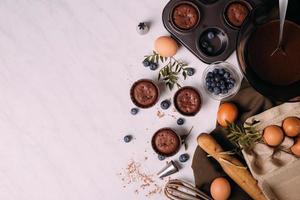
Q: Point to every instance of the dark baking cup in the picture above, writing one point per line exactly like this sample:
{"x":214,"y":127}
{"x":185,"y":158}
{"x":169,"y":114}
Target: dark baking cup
{"x":186,"y":113}
{"x":227,"y":22}
{"x":134,"y":100}
{"x":174,"y":24}
{"x":218,"y":44}
{"x":163,"y":154}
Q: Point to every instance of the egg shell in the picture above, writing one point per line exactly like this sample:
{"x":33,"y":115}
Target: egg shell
{"x":296,"y":148}
{"x":227,"y":112}
{"x":165,"y":46}
{"x":220,"y":189}
{"x":273,"y":135}
{"x":291,"y":126}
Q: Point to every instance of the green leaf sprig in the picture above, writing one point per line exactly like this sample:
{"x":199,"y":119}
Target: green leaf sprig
{"x":170,"y":73}
{"x":155,"y":57}
{"x":243,"y":137}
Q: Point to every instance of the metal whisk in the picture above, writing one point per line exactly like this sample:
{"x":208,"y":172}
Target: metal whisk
{"x":181,"y":190}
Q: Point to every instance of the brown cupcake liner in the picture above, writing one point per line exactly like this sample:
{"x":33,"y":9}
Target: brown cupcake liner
{"x":183,"y":3}
{"x":177,"y":107}
{"x":243,"y":2}
{"x":163,"y":154}
{"x":134,"y":100}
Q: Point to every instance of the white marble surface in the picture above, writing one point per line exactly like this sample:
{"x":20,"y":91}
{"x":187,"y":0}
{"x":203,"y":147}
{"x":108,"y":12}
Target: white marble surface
{"x":66,"y":67}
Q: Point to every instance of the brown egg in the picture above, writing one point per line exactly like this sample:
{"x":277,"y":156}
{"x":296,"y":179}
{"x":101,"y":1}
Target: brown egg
{"x":296,"y":148}
{"x":291,"y":126}
{"x":165,"y":46}
{"x":220,"y":189}
{"x":273,"y":135}
{"x":227,"y":112}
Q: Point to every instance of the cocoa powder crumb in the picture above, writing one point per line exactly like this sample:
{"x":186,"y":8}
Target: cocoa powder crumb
{"x":133,"y":174}
{"x":160,"y":114}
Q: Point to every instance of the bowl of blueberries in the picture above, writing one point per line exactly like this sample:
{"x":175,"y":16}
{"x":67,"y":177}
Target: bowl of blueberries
{"x":221,"y":80}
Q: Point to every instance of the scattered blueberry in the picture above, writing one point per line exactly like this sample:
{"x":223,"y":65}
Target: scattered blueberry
{"x":180,"y":121}
{"x":161,"y":157}
{"x":134,"y":111}
{"x":146,"y":63}
{"x":210,"y":35}
{"x":165,"y":104}
{"x":213,"y":84}
{"x":211,"y":89}
{"x":153,"y":66}
{"x":127,"y":138}
{"x":209,"y":49}
{"x":210,"y":74}
{"x":204,"y":44}
{"x":190,"y":71}
{"x":184,"y":157}
{"x":230,"y":85}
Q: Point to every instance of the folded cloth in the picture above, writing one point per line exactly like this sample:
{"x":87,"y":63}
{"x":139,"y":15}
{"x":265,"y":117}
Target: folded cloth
{"x":206,"y":169}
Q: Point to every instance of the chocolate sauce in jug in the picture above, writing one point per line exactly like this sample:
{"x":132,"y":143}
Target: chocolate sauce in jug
{"x":279,"y":68}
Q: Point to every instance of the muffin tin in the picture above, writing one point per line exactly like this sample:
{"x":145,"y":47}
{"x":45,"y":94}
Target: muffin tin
{"x":211,"y":37}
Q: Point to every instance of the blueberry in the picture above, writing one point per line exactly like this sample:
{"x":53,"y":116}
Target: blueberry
{"x":226,"y":75}
{"x":184,"y":157}
{"x":222,"y":82}
{"x":217,"y":78}
{"x":161,"y":157}
{"x":146,"y":63}
{"x":209,"y":49}
{"x":208,"y":83}
{"x":210,"y":74}
{"x":190,"y":71}
{"x":224,"y":91}
{"x":230,"y":85}
{"x":221,"y":71}
{"x":134,"y":111}
{"x":204,"y":44}
{"x":180,"y":121}
{"x":217,"y":90}
{"x":165,"y":104}
{"x":153,"y":66}
{"x":213,"y":84}
{"x":210,"y":35}
{"x":210,"y":89}
{"x":127,"y":138}
{"x":222,"y":87}
{"x":232,"y":80}
{"x":215,"y":71}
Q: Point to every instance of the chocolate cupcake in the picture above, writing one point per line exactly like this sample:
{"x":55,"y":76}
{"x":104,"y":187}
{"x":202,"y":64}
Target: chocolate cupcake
{"x":236,"y":13}
{"x":185,"y":16}
{"x":144,"y":93}
{"x":187,"y":101}
{"x":166,"y":142}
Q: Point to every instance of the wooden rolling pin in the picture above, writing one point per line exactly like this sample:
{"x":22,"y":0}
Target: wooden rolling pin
{"x":232,"y":166}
